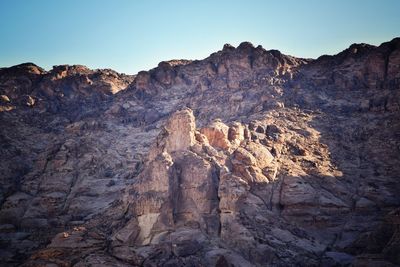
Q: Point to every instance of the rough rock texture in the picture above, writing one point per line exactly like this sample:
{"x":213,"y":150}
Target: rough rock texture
{"x":246,"y":158}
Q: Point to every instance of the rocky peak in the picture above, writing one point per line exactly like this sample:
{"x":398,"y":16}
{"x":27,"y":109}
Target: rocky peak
{"x":70,"y":70}
{"x":245,"y":46}
{"x":178,"y":62}
{"x":228,"y":47}
{"x":62,"y":88}
{"x":359,"y":48}
{"x":232,"y":68}
{"x":359,"y":66}
{"x":22,"y":69}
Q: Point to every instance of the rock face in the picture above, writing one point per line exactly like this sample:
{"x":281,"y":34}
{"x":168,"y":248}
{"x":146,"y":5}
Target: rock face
{"x":246,"y":158}
{"x":217,"y":134}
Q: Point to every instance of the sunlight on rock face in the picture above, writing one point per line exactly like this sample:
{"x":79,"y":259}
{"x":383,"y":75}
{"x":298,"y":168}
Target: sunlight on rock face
{"x":279,"y":161}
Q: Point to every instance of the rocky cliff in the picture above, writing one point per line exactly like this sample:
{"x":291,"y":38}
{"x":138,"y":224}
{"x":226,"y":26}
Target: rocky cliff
{"x":246,"y":158}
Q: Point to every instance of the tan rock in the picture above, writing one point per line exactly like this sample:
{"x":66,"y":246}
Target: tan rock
{"x":181,"y":128}
{"x":142,"y":80}
{"x":244,"y":157}
{"x":217,"y":134}
{"x":177,"y":135}
{"x":201,"y":138}
{"x":262,"y":155}
{"x":236,"y":133}
{"x":4,"y":98}
{"x":231,"y":189}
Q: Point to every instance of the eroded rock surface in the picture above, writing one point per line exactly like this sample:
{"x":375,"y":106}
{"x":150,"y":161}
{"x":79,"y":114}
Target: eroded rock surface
{"x":246,"y":158}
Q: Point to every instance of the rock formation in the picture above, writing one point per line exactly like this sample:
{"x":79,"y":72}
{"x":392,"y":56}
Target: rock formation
{"x":246,"y":158}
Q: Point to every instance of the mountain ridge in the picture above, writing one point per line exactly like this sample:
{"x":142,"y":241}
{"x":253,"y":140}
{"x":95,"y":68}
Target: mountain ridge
{"x":247,"y":157}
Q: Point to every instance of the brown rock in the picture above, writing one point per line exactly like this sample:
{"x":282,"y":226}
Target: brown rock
{"x":236,"y":133}
{"x":304,"y":174}
{"x":217,"y":135}
{"x":181,"y":128}
{"x":262,"y":155}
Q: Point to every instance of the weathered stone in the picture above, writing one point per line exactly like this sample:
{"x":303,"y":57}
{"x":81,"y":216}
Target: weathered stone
{"x":217,"y":134}
{"x":236,"y":133}
{"x":261,"y":154}
{"x":302,"y":176}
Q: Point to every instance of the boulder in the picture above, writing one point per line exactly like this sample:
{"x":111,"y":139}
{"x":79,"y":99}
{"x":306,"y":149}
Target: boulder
{"x":217,"y":134}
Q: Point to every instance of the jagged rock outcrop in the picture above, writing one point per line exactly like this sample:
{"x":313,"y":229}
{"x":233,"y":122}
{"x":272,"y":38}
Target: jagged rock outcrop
{"x":64,"y":88}
{"x":185,"y":191}
{"x":248,"y":157}
{"x":361,"y":77}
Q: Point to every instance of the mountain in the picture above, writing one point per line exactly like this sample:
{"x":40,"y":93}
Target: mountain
{"x":246,"y":158}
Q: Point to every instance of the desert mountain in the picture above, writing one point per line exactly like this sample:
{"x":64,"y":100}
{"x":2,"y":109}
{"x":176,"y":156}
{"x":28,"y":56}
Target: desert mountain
{"x":246,"y":158}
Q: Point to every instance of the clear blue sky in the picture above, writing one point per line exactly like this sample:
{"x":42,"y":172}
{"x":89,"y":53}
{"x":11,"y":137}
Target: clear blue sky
{"x":134,"y":35}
